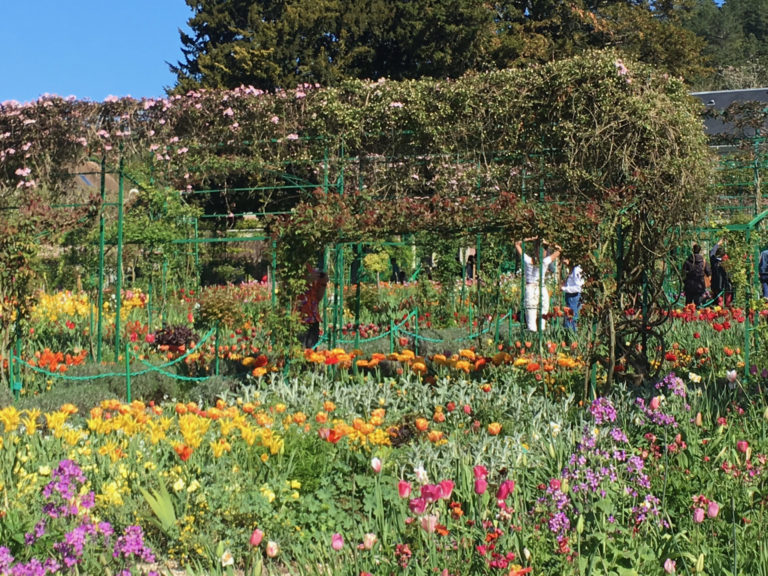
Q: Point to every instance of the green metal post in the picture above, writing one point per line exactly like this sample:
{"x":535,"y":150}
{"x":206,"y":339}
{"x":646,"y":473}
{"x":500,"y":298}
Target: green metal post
{"x":391,"y":336}
{"x":273,"y":273}
{"x":216,"y":351}
{"x":18,"y":384}
{"x":149,"y":304}
{"x":128,"y":372}
{"x":164,"y":283}
{"x":119,"y":282}
{"x":102,"y":225}
{"x":357,"y":297}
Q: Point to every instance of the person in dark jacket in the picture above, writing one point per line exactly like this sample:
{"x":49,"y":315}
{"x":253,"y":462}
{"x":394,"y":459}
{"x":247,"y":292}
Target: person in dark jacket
{"x":722,"y":288}
{"x":695,"y":273}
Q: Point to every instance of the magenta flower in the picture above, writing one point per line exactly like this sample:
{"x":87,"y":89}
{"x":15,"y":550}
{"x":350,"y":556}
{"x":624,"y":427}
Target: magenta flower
{"x":404,"y":489}
{"x":417,"y":506}
{"x":506,"y":488}
{"x":480,"y":472}
{"x":431,"y":492}
{"x":712,"y":509}
{"x":742,"y":446}
{"x":481,"y":485}
{"x":337,"y":541}
{"x":698,"y":515}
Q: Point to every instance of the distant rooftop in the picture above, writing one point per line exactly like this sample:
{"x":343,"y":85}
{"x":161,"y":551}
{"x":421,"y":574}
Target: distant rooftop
{"x":722,"y":99}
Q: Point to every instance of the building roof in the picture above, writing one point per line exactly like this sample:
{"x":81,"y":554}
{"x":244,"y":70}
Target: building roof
{"x":720,"y":100}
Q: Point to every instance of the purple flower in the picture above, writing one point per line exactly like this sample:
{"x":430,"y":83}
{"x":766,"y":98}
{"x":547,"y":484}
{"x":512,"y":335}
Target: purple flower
{"x":5,"y":559}
{"x":602,"y":411}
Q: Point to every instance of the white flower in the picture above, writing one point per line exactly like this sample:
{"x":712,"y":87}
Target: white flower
{"x":554,"y":428}
{"x":227,"y":559}
{"x":695,"y":378}
{"x":421,"y":474}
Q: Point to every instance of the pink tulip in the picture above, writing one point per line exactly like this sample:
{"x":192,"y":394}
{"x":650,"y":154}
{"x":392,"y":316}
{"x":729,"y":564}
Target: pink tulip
{"x":742,"y":446}
{"x":698,"y":515}
{"x":404,"y":489}
{"x":417,"y":505}
{"x":272,"y":549}
{"x":670,"y":566}
{"x":481,"y":485}
{"x":467,"y":409}
{"x":337,"y":541}
{"x":505,"y":489}
{"x":480,"y":472}
{"x":447,"y":486}
{"x":431,"y":492}
{"x":376,"y":465}
{"x":369,"y":540}
{"x":256,"y":537}
{"x":655,"y":403}
{"x":429,"y":523}
{"x":712,"y":509}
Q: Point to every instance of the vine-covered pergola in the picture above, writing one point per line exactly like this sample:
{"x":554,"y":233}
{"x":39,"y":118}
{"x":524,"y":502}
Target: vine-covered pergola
{"x":583,"y":151}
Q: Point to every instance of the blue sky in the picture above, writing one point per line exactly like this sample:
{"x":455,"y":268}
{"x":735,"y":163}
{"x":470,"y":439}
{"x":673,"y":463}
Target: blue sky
{"x":89,"y":48}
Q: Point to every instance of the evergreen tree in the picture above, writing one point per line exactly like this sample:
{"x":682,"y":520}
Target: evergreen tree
{"x":281,"y":43}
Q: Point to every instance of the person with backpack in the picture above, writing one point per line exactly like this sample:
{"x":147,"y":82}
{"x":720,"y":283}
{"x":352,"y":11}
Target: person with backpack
{"x":695,"y":273}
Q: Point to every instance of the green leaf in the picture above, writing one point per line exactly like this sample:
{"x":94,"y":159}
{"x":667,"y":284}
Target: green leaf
{"x":162,"y":506}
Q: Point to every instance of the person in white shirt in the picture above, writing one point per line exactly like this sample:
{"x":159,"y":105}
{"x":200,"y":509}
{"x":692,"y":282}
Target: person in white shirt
{"x":535,"y":268}
{"x":572,"y":292}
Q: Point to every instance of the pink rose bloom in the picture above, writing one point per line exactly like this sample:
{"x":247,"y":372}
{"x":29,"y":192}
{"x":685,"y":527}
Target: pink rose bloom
{"x":698,"y":515}
{"x":712,"y":509}
{"x":337,"y":541}
{"x":404,"y":489}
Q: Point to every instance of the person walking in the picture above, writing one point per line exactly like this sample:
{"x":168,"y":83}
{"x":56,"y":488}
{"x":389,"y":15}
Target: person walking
{"x":572,"y":293}
{"x":722,"y":288}
{"x":763,"y":271}
{"x":535,"y":270}
{"x":695,"y":273}
{"x":309,"y":308}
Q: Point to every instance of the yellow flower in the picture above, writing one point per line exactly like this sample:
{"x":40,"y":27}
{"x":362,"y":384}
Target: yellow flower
{"x":30,"y":421}
{"x":10,"y":417}
{"x":219,"y":447}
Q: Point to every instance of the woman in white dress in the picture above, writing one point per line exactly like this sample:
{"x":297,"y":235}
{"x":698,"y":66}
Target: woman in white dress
{"x":535,"y":268}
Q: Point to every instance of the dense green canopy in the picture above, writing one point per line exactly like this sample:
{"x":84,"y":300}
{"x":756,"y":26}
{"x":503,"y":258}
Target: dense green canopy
{"x":270,"y":44}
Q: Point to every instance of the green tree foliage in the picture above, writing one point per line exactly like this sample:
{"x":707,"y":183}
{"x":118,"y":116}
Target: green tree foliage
{"x":735,"y":35}
{"x":281,"y":44}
